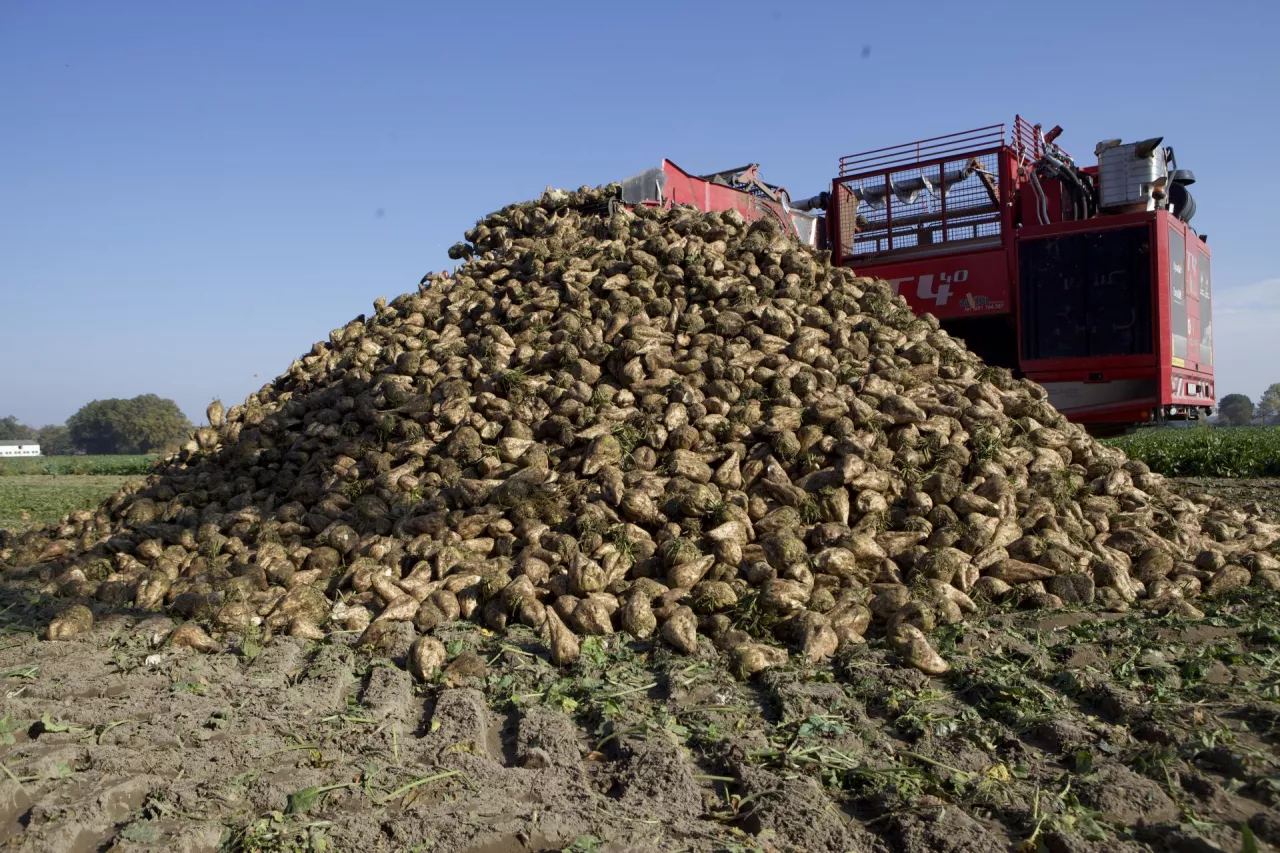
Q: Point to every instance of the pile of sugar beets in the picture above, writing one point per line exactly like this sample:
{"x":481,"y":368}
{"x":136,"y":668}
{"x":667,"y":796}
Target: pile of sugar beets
{"x":661,"y":422}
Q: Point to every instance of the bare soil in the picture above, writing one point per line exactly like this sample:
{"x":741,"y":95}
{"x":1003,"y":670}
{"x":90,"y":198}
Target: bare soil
{"x":1260,"y":495}
{"x":1068,"y":732}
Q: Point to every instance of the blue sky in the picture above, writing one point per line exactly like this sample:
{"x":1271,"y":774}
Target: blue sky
{"x":191,"y":194}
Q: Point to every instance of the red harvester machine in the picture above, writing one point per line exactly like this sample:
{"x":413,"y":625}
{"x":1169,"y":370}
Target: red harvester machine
{"x":1088,"y":280}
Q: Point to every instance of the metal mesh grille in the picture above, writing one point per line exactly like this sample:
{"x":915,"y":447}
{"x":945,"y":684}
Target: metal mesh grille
{"x":922,"y":209}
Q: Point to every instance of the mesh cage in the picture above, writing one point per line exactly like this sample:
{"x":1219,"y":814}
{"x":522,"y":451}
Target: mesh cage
{"x":930,"y":197}
{"x":920,"y":208}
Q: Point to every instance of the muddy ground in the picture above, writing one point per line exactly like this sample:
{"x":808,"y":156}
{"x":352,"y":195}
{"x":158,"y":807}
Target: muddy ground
{"x":1261,"y":495}
{"x":1071,"y":732}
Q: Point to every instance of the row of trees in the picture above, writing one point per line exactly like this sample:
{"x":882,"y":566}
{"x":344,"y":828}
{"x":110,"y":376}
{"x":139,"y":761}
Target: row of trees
{"x":1239,"y":410}
{"x":144,"y":424}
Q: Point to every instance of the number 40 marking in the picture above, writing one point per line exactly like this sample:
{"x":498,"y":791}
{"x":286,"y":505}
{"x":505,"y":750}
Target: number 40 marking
{"x":925,"y":288}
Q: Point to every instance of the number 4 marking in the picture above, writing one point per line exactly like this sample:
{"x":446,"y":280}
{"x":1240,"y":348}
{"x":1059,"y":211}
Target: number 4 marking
{"x":924,"y":289}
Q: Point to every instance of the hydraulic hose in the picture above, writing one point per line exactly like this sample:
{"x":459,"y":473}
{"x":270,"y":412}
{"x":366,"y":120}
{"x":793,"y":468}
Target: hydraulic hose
{"x":1042,"y":204}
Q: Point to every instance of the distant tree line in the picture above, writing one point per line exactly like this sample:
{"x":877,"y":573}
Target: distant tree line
{"x":53,"y":439}
{"x":145,"y":424}
{"x":1239,"y":410}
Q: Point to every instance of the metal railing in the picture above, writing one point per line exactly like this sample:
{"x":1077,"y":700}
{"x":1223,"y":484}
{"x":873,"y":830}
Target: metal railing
{"x":934,"y":196}
{"x":1027,"y":139}
{"x":914,"y":153}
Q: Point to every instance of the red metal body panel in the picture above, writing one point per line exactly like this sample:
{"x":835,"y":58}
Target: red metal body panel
{"x":962,"y":285}
{"x":683,"y":188}
{"x":737,"y":189}
{"x":1190,"y":378}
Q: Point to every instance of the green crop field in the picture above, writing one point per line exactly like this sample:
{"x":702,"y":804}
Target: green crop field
{"x":33,"y":499}
{"x":1206,"y":451}
{"x":116,"y":466}
{"x":40,"y":490}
